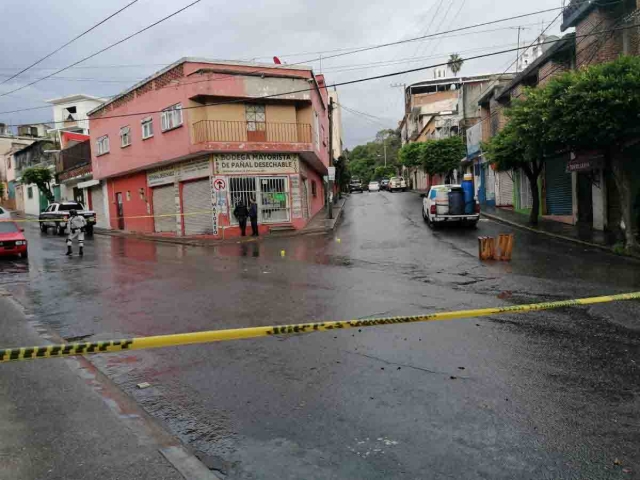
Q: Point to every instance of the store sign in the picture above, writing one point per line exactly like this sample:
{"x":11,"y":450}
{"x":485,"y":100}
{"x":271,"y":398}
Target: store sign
{"x":585,"y":161}
{"x":197,"y":168}
{"x":332,"y":174}
{"x":296,"y":199}
{"x":241,"y":163}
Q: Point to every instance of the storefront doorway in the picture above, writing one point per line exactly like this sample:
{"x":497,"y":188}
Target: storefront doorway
{"x":270,"y":193}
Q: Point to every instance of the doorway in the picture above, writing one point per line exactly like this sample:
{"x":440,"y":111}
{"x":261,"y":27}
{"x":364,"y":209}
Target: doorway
{"x":585,"y":199}
{"x":120,"y":210}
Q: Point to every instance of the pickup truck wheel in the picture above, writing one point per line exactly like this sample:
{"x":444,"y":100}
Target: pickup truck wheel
{"x":60,"y":230}
{"x":89,"y":230}
{"x":43,"y":227}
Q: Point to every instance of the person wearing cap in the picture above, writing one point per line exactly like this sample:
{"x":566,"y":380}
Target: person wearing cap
{"x":76,"y":227}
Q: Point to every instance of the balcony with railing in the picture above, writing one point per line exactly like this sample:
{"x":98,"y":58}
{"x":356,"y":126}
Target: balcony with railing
{"x":242,"y":132}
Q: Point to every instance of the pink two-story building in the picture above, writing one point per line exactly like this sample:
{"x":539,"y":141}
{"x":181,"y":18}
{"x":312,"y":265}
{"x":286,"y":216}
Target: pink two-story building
{"x":181,"y":148}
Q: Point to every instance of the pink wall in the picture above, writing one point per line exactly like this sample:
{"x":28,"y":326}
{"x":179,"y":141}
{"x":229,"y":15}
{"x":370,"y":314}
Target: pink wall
{"x":175,"y":144}
{"x":134,"y":207}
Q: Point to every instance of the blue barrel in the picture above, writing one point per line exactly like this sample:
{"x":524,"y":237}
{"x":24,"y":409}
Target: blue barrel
{"x":456,"y":201}
{"x":467,"y":186}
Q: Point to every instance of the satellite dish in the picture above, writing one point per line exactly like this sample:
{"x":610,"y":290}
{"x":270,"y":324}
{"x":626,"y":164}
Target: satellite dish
{"x":277,"y":61}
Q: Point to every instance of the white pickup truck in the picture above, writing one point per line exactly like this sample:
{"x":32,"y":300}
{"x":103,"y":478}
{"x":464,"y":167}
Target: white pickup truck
{"x":56,"y":216}
{"x":436,"y":215}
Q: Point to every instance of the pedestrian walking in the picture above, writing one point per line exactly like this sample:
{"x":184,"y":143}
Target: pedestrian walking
{"x":241,"y":213}
{"x":76,"y":227}
{"x":253,"y":215}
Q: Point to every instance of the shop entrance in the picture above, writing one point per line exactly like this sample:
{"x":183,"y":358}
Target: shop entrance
{"x":270,"y":193}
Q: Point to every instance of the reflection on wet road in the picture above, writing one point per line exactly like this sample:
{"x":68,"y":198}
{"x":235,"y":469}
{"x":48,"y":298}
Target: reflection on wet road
{"x":546,"y":395}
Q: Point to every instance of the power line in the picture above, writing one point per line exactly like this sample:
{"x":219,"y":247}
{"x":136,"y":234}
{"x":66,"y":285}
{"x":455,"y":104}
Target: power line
{"x":337,"y":84}
{"x":373,"y":47}
{"x":104,"y":49}
{"x":68,"y":43}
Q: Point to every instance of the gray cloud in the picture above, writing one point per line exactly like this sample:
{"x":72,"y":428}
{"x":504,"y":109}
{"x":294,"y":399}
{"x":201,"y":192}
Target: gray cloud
{"x":253,"y":29}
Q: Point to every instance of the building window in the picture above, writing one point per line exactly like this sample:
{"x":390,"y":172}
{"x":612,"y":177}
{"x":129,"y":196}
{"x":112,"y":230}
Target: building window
{"x":171,"y":117}
{"x":314,"y":189}
{"x":125,"y":136}
{"x":147,"y":128}
{"x":103,"y":145}
{"x":128,"y":195}
{"x":324,"y":137}
{"x":256,"y":118}
{"x":30,"y":193}
{"x":8,"y":164}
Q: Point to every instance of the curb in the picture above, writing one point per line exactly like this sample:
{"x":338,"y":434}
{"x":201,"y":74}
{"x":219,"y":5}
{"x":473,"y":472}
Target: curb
{"x":552,"y":235}
{"x":194,"y":242}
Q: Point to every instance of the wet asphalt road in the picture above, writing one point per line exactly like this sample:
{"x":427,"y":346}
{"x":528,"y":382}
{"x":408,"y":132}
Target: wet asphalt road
{"x":543,"y":395}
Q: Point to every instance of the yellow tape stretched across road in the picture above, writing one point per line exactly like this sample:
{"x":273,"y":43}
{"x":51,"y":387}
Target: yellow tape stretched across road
{"x":140,"y":343}
{"x":54,"y":220}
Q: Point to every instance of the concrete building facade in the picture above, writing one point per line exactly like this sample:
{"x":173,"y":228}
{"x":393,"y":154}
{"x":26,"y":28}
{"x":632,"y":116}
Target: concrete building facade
{"x":213,"y":134}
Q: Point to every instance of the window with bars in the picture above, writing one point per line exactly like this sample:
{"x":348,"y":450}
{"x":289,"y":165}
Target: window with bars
{"x":270,"y":193}
{"x":256,"y":117}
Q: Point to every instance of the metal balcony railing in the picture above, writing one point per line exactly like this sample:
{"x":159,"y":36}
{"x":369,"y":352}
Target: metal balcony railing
{"x":75,"y":156}
{"x":270,"y":132}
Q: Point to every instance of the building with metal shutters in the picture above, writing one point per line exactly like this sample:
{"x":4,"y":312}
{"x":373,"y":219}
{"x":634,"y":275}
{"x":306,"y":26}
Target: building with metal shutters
{"x":504,"y":189}
{"x":196,"y":204}
{"x":558,"y":187}
{"x":164,"y":209}
{"x":183,"y":170}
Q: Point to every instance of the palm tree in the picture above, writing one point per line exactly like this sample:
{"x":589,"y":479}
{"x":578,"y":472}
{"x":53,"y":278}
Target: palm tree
{"x":455,"y":63}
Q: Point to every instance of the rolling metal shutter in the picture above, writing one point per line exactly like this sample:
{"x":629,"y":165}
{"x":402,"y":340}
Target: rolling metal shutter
{"x":504,"y":196}
{"x":196,"y":197}
{"x":490,"y":185}
{"x":559,"y":194}
{"x":164,"y":203}
{"x":97,"y":200}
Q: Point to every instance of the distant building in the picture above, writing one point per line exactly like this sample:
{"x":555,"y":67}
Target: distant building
{"x":535,"y":51}
{"x":70,"y":113}
{"x":441,"y":108}
{"x":338,"y":144}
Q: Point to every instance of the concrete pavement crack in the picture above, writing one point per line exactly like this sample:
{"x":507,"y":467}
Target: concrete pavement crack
{"x":398,"y":364}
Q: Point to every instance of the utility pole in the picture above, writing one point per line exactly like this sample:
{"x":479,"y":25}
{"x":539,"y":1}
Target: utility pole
{"x":384,"y":142}
{"x":518,"y":50}
{"x":330,"y":196}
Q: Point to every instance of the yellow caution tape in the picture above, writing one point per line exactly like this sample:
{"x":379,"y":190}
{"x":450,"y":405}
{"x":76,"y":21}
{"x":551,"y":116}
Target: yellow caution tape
{"x":58,"y":220}
{"x":140,"y":343}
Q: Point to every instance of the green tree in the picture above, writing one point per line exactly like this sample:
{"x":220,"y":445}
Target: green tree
{"x":364,"y":159}
{"x":443,"y":155}
{"x":597,"y":108}
{"x":410,"y":155}
{"x":384,"y":172}
{"x":455,"y":63}
{"x":525,"y":141}
{"x":2,"y":190}
{"x":42,"y":178}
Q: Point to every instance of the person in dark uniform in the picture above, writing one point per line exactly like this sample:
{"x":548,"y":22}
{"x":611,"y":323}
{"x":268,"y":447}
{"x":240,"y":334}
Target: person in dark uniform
{"x":253,"y":215}
{"x":241,"y":213}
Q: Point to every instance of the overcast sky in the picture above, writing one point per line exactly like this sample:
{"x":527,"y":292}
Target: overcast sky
{"x":294,"y":30}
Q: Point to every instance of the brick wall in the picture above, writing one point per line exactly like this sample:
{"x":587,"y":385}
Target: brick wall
{"x":550,"y":70}
{"x":603,"y":47}
{"x":175,"y":74}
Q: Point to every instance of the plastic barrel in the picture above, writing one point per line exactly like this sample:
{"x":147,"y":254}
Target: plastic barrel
{"x":442,"y":202}
{"x":456,"y":202}
{"x":467,"y":187}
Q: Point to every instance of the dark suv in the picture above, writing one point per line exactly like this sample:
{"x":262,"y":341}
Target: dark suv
{"x":355,"y":185}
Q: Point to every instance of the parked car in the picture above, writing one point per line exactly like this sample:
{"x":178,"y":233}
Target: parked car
{"x":4,"y":214}
{"x":446,"y":213}
{"x":12,"y":240}
{"x":397,"y":183}
{"x":374,"y":186}
{"x":384,"y":184}
{"x":56,"y":216}
{"x":355,"y":185}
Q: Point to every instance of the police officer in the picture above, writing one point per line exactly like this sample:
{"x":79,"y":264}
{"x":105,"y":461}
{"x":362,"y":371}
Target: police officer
{"x":77,"y":224}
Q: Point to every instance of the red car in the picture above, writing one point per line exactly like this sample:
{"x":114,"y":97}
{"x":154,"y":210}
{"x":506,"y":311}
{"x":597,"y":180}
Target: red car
{"x":12,"y":240}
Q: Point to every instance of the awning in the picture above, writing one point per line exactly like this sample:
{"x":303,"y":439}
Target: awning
{"x":88,"y":183}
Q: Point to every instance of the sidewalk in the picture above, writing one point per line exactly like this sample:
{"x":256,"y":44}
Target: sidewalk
{"x":63,"y":420}
{"x":318,"y":224}
{"x":572,"y":233}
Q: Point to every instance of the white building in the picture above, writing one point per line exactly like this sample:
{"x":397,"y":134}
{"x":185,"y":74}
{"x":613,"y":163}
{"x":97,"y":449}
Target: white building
{"x":337,"y":125}
{"x":70,"y":112}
